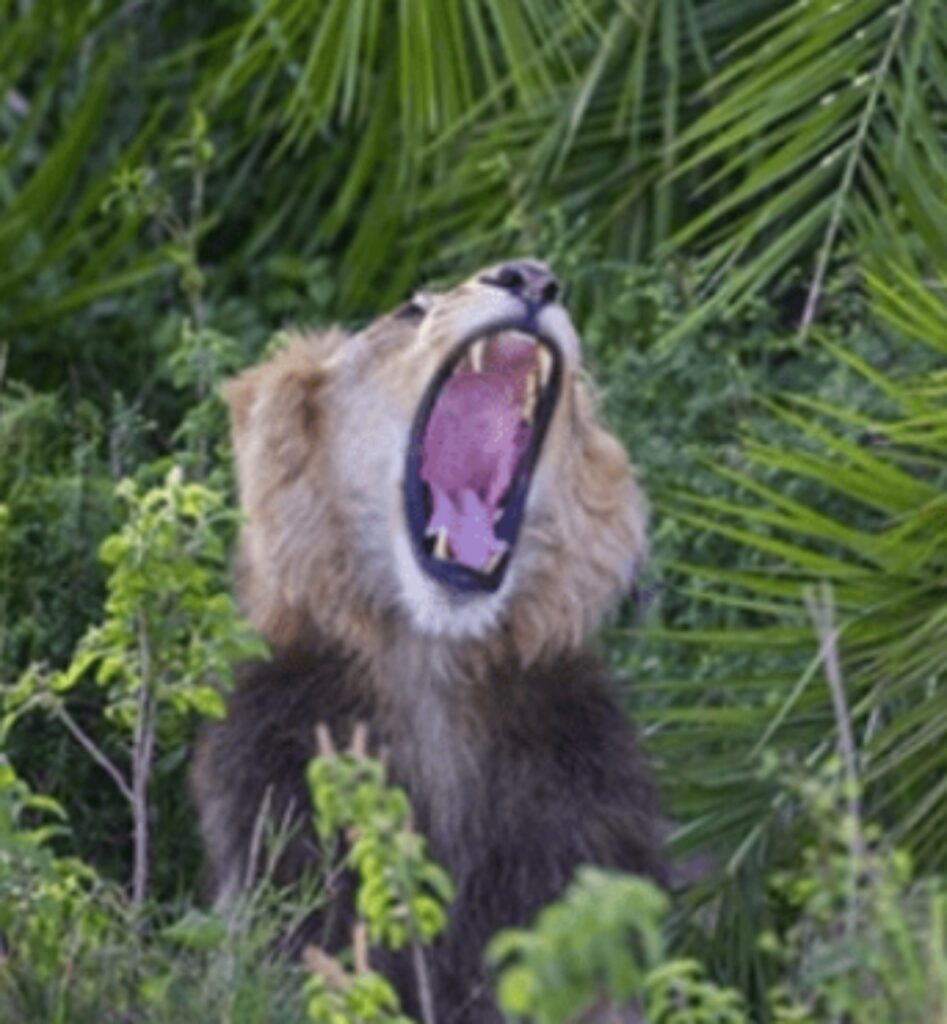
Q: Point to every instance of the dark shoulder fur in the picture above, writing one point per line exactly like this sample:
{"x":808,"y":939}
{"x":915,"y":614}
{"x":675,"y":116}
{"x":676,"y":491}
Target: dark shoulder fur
{"x":550,"y":778}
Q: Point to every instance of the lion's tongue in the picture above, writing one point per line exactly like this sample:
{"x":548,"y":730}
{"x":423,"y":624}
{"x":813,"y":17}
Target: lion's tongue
{"x":472,"y":444}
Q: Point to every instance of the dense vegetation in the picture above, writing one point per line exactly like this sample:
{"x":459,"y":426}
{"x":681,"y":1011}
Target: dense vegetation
{"x":749,"y":204}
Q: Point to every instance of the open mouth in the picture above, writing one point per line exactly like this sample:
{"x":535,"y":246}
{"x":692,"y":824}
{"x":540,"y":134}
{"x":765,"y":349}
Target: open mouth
{"x":474,"y":445}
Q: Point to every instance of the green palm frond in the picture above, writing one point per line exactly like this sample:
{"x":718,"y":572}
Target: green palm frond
{"x":469,"y":117}
{"x":849,"y":496}
{"x":823,"y":118}
{"x":651,"y":126}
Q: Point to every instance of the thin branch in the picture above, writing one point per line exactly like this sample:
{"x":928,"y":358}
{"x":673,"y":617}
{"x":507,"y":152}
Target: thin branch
{"x":360,"y":948}
{"x":425,"y":995}
{"x":317,"y":961}
{"x":848,"y":177}
{"x":95,"y":752}
{"x":256,"y":838}
{"x":821,"y":611}
{"x":143,"y":752}
{"x":324,"y":744}
{"x":358,"y":747}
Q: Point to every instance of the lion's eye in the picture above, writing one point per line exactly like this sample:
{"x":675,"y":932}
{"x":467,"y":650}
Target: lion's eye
{"x":410,"y":311}
{"x":415,"y":309}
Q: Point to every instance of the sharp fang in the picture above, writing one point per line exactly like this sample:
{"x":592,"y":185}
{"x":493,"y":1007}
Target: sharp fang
{"x":545,"y":364}
{"x":476,"y":356}
{"x":529,"y":398}
{"x":440,"y":545}
{"x":493,"y":563}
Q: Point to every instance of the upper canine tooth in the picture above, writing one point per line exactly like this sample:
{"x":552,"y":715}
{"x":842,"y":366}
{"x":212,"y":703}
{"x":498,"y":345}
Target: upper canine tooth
{"x":440,"y":545}
{"x":529,"y":397}
{"x":545,"y":364}
{"x":476,"y":355}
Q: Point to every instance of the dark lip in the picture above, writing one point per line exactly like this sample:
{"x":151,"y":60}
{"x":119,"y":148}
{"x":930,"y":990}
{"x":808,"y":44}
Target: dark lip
{"x":461,"y":577}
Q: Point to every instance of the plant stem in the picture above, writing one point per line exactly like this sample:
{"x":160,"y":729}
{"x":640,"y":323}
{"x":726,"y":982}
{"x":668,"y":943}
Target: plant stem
{"x":821,"y":611}
{"x":425,"y":995}
{"x":142,"y":755}
{"x":95,"y":752}
{"x":848,"y":176}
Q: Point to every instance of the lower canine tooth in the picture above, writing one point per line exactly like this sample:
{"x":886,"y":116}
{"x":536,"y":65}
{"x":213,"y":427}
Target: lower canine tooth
{"x":440,"y":545}
{"x":545,"y":365}
{"x":476,"y":356}
{"x":493,"y":563}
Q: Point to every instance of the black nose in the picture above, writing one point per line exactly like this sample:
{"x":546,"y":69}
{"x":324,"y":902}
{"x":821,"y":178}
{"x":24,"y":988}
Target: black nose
{"x":532,"y":281}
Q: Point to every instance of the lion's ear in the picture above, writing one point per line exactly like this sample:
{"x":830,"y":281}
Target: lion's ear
{"x":275,"y":412}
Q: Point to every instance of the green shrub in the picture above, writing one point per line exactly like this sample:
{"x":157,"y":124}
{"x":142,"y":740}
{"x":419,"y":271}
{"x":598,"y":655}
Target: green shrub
{"x":165,"y":646}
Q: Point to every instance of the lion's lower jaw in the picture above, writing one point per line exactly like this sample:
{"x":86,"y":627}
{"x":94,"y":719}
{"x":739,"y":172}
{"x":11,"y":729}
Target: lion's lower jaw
{"x":433,"y":612}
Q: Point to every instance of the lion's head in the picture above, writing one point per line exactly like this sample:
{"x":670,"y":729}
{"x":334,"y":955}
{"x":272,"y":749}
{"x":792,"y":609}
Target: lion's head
{"x":441,"y":471}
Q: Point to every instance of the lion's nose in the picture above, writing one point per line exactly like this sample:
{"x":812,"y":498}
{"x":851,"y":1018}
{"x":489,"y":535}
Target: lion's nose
{"x":531,"y":281}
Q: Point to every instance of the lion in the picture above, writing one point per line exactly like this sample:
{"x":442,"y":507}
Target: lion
{"x":436,"y":521}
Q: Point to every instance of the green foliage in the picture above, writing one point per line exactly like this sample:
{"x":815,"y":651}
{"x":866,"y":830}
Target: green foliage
{"x":57,"y":500}
{"x":402,"y":894}
{"x":74,"y":954}
{"x":823,"y":113}
{"x":849,"y":493}
{"x":169,"y":629}
{"x":600,"y":946}
{"x":169,"y":634}
{"x":53,"y":910}
{"x":366,"y":999}
{"x":142,"y":194}
{"x":863,"y":940}
{"x":867,"y":941}
{"x":203,"y":966}
{"x":401,"y":141}
{"x":678,"y":992}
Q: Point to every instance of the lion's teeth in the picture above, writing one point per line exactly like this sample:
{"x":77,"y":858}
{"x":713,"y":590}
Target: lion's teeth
{"x":545,"y":365}
{"x":476,"y":356}
{"x":529,"y":398}
{"x":440,"y":545}
{"x":493,"y":563}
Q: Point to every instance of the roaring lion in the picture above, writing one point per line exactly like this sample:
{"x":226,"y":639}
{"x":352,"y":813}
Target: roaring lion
{"x":435,"y":522}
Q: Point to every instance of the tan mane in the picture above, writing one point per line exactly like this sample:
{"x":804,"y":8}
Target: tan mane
{"x":320,"y":434}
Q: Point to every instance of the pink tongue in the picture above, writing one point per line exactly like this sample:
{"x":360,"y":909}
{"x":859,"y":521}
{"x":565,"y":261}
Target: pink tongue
{"x":471,"y":447}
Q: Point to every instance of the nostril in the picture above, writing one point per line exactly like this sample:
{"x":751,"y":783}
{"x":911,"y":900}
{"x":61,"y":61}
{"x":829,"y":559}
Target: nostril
{"x":511,"y":279}
{"x":531,"y":281}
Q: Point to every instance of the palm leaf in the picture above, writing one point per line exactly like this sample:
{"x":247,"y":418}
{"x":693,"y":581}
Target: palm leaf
{"x":827,"y":503}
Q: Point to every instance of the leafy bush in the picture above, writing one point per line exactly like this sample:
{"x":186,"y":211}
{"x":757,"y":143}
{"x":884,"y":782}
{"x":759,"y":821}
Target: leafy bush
{"x":869,"y":941}
{"x":401,"y":896}
{"x":169,"y":635}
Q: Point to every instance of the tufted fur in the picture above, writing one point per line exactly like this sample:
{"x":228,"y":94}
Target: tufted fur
{"x":505,"y":733}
